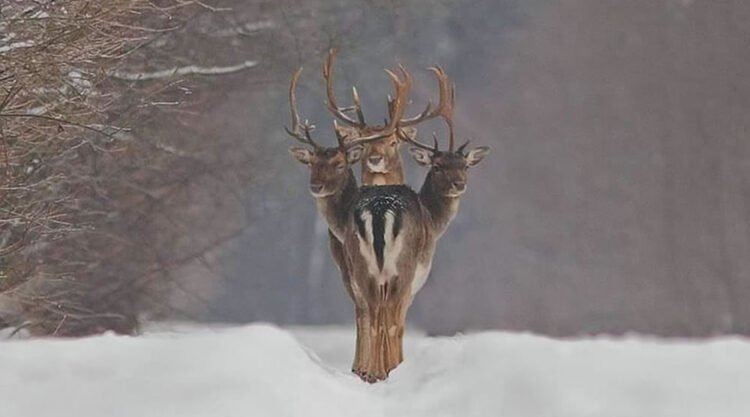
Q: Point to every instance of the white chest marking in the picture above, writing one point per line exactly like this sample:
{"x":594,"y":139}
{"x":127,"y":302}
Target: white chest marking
{"x":391,"y":250}
{"x":366,"y":248}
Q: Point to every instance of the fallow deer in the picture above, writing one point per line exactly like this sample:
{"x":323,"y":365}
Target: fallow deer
{"x":390,"y":241}
{"x":381,"y":161}
{"x":332,"y":181}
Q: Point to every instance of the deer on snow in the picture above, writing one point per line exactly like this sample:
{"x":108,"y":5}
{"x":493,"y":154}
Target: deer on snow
{"x":381,"y":159}
{"x":390,"y":241}
{"x":332,"y":182}
{"x":389,"y":232}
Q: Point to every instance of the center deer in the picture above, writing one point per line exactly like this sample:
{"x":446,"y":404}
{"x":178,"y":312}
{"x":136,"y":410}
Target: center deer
{"x":382,"y":164}
{"x":332,"y":181}
{"x":380,"y":316}
{"x":390,"y":241}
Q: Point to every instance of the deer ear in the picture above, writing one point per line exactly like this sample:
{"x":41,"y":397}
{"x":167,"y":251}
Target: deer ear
{"x":301,"y":154}
{"x":409,"y":131}
{"x":422,"y":156}
{"x":354,"y":154}
{"x":476,"y":155}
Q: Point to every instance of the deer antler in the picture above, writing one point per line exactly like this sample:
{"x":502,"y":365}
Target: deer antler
{"x":396,"y":105}
{"x":444,"y":110}
{"x":340,"y":112}
{"x":300,"y":131}
{"x":462,"y":147}
{"x":405,"y":137}
{"x":445,"y":104}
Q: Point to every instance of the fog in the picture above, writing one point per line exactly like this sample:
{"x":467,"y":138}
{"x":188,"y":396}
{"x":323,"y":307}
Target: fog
{"x":616,"y":197}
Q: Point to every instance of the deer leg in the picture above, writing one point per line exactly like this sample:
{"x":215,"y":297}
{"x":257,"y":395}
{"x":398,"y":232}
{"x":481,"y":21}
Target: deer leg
{"x":386,"y":331}
{"x":376,"y":360}
{"x":393,"y":355}
{"x":361,"y":350}
{"x":382,"y":336}
{"x":363,"y":347}
{"x":401,"y":326}
{"x":397,"y":304}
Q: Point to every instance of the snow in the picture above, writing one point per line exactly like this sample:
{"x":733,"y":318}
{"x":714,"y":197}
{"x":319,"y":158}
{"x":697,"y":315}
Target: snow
{"x":261,"y":370}
{"x":16,"y":45}
{"x":186,"y":70}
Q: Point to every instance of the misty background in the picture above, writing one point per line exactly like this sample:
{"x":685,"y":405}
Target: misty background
{"x":616,"y":197}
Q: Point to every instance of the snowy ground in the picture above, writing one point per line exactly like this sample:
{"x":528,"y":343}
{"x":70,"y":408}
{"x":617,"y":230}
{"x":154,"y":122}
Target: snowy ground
{"x":261,"y":370}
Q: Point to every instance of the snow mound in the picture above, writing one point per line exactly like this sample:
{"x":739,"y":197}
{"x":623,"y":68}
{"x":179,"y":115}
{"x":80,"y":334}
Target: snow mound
{"x":261,"y":370}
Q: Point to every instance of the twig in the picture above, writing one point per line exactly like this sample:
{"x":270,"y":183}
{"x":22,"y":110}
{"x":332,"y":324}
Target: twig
{"x":186,"y":70}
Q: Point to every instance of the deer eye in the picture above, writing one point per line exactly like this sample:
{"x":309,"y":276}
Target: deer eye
{"x":340,"y":166}
{"x":393,"y":144}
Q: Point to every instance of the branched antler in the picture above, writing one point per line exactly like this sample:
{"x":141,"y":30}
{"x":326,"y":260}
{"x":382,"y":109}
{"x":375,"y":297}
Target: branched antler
{"x":299,"y":130}
{"x":444,"y":110}
{"x":397,"y":105}
{"x":340,"y":112}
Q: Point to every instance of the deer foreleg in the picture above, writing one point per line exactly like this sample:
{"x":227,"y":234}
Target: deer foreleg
{"x":375,"y":362}
{"x":396,"y":308}
{"x":363,"y":349}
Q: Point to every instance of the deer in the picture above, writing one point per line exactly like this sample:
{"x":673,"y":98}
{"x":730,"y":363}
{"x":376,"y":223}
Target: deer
{"x":332,"y":181}
{"x":390,"y":240}
{"x":382,"y":164}
{"x":381,"y":161}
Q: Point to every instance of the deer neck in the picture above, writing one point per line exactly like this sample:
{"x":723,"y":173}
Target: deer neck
{"x":393,"y":177}
{"x":442,"y":209}
{"x":335,"y":207}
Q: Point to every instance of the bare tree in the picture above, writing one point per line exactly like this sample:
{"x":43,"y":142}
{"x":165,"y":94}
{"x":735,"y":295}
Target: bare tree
{"x":90,"y":228}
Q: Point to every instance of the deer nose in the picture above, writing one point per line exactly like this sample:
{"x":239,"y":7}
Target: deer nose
{"x":316,"y":188}
{"x":375,"y":159}
{"x":459,"y":185}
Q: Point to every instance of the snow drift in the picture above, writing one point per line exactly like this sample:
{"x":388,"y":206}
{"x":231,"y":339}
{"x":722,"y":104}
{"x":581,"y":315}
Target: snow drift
{"x":260,"y":370}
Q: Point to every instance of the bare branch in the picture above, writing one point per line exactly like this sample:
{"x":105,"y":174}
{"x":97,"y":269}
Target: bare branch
{"x":178,"y":71}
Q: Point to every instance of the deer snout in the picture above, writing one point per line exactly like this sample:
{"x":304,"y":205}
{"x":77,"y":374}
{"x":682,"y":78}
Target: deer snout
{"x":316,"y":188}
{"x":374,"y":159}
{"x":376,"y":163}
{"x":459,"y":185}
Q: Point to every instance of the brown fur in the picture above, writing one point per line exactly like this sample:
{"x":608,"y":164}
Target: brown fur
{"x":387,"y":149}
{"x":423,"y":222}
{"x":372,"y":347}
{"x":380,"y":309}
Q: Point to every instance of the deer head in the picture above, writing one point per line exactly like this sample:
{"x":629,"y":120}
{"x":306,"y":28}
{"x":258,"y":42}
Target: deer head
{"x":330,"y":166}
{"x":381,"y":160}
{"x":448,"y":169}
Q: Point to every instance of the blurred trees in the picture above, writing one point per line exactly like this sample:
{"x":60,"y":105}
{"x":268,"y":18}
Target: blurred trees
{"x":98,"y":205}
{"x":617,"y":196}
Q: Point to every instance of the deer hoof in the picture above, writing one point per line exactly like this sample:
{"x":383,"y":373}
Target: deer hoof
{"x":370,"y":377}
